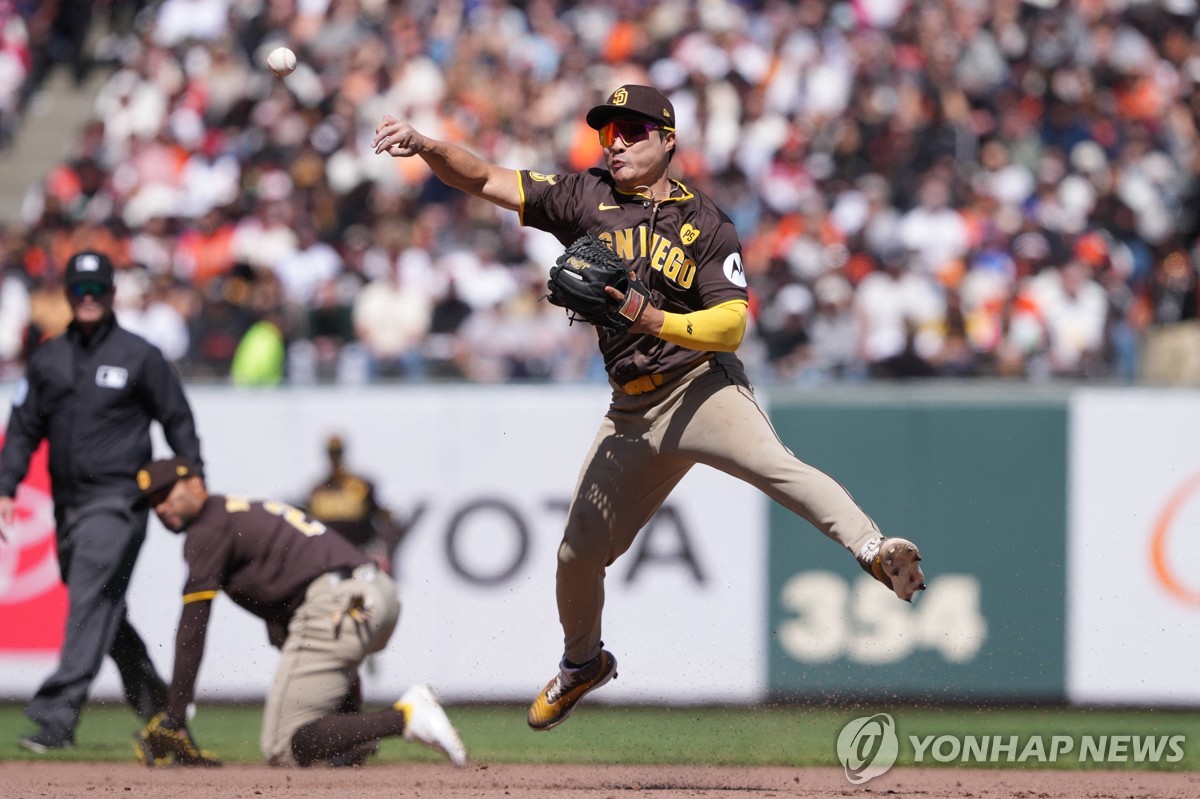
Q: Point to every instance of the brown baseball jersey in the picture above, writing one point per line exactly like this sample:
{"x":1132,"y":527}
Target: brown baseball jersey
{"x":263,"y":555}
{"x":685,"y":249}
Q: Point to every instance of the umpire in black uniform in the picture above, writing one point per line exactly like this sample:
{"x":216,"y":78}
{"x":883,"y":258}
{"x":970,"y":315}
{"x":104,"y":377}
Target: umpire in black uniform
{"x":92,"y":393}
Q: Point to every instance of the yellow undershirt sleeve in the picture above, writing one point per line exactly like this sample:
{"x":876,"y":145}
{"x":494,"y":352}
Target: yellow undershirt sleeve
{"x":718,"y":329}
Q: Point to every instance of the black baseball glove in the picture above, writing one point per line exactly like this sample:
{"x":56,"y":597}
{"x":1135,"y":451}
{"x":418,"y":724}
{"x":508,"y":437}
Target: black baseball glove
{"x":162,"y":740}
{"x":577,"y":282}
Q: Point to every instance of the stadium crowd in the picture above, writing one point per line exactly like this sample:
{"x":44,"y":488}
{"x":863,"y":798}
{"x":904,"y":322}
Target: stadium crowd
{"x":955,"y":188}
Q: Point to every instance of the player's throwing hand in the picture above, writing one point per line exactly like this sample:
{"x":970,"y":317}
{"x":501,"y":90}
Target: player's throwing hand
{"x":396,"y":138}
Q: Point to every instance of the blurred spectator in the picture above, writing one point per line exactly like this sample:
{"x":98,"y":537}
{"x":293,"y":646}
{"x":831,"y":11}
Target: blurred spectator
{"x":908,"y":362}
{"x":783,"y":324}
{"x":302,"y":271}
{"x":1072,"y":309}
{"x":14,"y":319}
{"x":142,"y":307}
{"x":261,"y":354}
{"x":265,"y":237}
{"x":181,"y":21}
{"x":933,"y":232}
{"x":442,"y":346}
{"x":221,"y":323}
{"x":205,"y":251}
{"x":835,"y":332}
{"x":16,"y":58}
{"x":957,"y":358}
{"x":391,"y":318}
{"x":898,"y":308}
{"x":49,"y":312}
{"x":1172,"y":345}
{"x":259,"y":358}
{"x":57,"y":35}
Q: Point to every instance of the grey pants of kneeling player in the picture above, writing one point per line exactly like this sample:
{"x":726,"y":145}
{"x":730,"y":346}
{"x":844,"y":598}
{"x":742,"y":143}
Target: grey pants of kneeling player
{"x":321,"y":655}
{"x":645,"y":446}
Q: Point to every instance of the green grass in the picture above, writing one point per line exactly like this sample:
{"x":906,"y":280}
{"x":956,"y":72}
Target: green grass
{"x":794,"y":736}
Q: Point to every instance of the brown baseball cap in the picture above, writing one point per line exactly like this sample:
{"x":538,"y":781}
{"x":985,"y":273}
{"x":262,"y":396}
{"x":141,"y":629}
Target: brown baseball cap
{"x":636,"y":101}
{"x":156,"y":478}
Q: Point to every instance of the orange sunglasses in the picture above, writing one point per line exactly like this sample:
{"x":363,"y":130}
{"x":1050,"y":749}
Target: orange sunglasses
{"x":631,"y":131}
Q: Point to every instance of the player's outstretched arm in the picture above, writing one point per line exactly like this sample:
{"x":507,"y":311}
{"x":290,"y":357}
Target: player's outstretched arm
{"x":455,"y":166}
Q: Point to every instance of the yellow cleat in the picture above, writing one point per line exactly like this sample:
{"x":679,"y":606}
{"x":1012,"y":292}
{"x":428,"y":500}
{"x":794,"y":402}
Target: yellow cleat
{"x":561,"y":694}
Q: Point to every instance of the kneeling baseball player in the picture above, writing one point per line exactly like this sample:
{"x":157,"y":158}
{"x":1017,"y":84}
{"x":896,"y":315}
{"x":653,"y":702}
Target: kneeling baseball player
{"x":326,"y":605}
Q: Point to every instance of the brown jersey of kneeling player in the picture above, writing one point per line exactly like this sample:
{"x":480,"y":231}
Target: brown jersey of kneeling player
{"x":326,"y":606}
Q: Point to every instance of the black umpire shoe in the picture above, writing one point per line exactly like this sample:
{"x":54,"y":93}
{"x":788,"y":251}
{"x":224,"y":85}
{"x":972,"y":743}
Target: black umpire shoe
{"x":45,"y":740}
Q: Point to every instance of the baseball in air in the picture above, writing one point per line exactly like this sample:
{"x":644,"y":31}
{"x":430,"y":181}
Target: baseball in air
{"x":281,"y":61}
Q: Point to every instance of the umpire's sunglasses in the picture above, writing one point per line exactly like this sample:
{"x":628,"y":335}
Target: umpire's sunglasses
{"x":81,"y":290}
{"x":631,"y":131}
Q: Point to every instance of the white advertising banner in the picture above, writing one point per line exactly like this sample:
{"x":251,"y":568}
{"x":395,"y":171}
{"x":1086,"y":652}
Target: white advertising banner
{"x":483,"y":476}
{"x":1134,"y":605}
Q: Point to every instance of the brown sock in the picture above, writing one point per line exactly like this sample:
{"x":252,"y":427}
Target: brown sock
{"x":337,"y":733}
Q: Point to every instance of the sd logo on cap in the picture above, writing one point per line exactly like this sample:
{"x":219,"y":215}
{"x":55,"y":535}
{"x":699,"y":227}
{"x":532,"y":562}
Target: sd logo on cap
{"x":632,"y":100}
{"x":157,"y":478}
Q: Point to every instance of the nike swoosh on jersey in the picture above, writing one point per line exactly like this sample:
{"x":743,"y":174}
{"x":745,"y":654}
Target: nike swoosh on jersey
{"x":607,"y":207}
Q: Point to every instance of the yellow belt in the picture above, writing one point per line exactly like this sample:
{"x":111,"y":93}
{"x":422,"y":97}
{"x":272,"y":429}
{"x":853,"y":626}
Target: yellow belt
{"x":640,"y":385}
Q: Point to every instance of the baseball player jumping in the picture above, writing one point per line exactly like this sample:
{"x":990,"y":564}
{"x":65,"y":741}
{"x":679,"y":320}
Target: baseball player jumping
{"x":680,"y":394}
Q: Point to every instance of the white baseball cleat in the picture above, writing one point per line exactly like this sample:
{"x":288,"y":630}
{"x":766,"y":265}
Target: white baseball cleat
{"x":895,"y":562}
{"x":426,"y":722}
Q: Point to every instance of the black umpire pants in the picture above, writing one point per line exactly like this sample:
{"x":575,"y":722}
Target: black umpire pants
{"x":98,"y":545}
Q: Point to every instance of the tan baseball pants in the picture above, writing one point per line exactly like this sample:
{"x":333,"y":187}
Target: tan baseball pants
{"x":645,"y":446}
{"x":325,"y":645}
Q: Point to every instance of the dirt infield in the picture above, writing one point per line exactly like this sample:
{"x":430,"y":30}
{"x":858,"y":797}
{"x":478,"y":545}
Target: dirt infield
{"x":25,"y":780}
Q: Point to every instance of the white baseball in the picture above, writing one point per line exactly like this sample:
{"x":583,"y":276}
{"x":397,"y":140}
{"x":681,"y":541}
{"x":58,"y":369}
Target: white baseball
{"x":281,"y":61}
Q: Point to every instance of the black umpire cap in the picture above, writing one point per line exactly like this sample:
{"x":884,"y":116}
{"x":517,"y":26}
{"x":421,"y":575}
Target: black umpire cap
{"x":637,"y":101}
{"x":157,"y":478}
{"x":89,"y":267}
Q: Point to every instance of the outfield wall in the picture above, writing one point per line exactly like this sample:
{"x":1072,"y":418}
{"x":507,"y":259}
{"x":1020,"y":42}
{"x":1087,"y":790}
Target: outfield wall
{"x":484,"y":476}
{"x":1135,"y":555}
{"x":980,"y":485}
{"x":1055,"y":526}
